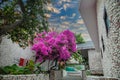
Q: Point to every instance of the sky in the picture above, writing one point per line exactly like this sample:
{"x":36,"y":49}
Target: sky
{"x":66,"y":15}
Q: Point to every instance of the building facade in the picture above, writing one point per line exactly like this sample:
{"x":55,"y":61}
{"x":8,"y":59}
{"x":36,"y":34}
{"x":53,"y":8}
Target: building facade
{"x":109,"y":35}
{"x":102,"y":18}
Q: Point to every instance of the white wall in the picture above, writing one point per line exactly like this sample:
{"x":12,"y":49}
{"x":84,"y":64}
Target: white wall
{"x":94,"y":60}
{"x":10,"y":52}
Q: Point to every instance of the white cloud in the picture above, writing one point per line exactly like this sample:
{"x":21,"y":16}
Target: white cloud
{"x":79,"y":17}
{"x":60,"y":2}
{"x":51,"y":8}
{"x":74,"y":14}
{"x":66,"y":0}
{"x":47,"y":15}
{"x":63,"y":17}
{"x":65,"y":6}
{"x":63,"y":26}
{"x":82,"y":28}
{"x":80,"y":21}
{"x":66,"y":23}
{"x":55,"y":10}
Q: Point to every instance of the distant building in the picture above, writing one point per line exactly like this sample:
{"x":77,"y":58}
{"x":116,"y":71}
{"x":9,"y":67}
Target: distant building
{"x":94,"y":58}
{"x":85,"y":48}
{"x":102,"y":19}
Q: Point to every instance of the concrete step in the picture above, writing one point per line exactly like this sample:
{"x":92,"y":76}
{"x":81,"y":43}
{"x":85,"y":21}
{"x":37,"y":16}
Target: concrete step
{"x":72,"y":78}
{"x":101,"y":78}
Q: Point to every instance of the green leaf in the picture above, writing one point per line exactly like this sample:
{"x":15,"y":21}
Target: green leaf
{"x":79,"y":38}
{"x":32,"y":23}
{"x":77,"y":56}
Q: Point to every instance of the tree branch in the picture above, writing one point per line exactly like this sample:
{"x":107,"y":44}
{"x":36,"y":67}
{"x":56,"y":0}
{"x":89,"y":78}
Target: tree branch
{"x":8,"y":28}
{"x":20,"y":2}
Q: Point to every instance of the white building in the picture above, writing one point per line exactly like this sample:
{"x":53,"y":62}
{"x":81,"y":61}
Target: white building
{"x":102,"y":19}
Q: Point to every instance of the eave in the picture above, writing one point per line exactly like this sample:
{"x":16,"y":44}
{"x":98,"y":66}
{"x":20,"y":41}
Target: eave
{"x":89,"y":14}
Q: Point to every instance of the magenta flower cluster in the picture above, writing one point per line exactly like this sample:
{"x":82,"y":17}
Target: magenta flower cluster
{"x":54,"y":45}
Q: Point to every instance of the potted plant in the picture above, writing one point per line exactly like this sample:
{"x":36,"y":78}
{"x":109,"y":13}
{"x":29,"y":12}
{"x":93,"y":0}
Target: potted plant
{"x":55,"y":47}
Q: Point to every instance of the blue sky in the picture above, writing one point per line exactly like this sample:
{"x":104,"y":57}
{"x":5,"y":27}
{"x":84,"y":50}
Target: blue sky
{"x":68,"y":17}
{"x":70,"y":10}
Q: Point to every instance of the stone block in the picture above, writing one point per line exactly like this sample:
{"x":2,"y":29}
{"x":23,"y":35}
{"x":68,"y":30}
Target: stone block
{"x":56,"y":74}
{"x":96,"y":72}
{"x":95,"y":63}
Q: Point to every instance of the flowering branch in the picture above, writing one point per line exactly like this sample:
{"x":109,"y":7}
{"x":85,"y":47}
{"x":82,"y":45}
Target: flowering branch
{"x":54,"y":46}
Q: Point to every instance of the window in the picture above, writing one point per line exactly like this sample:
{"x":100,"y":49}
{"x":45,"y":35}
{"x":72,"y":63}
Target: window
{"x":103,"y":45}
{"x":106,"y":21}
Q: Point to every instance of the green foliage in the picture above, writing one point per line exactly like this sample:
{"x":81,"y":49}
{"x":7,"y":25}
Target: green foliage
{"x":79,"y":38}
{"x":32,"y":14}
{"x":30,"y":68}
{"x":88,"y":72}
{"x":81,"y":59}
{"x":78,"y":57}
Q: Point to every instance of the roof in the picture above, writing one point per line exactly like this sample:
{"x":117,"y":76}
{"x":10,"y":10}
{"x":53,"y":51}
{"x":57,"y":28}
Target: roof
{"x":86,"y":45}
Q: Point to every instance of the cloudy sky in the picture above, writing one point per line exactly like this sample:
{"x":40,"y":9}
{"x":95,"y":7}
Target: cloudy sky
{"x":65,"y":15}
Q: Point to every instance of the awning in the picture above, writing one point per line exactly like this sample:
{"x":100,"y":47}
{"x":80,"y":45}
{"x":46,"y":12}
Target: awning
{"x":89,"y":14}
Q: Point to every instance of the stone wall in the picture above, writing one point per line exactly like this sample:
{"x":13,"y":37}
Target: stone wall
{"x":110,"y":42}
{"x":113,"y":10}
{"x":25,"y":77}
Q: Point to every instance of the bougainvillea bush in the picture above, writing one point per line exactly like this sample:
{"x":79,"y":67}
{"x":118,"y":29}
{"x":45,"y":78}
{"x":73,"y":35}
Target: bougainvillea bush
{"x":54,"y":45}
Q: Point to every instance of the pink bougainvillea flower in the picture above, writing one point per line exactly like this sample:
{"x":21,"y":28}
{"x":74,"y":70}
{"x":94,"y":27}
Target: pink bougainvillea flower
{"x":64,"y":54}
{"x":54,"y":46}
